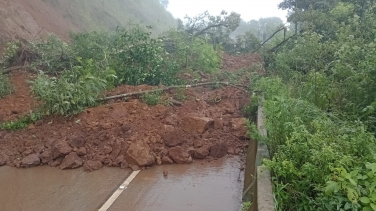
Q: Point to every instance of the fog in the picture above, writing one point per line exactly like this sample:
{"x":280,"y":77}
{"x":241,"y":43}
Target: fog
{"x":249,"y":9}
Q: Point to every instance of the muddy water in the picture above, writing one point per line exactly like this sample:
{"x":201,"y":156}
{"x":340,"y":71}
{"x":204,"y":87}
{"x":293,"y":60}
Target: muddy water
{"x":202,"y":186}
{"x":51,"y":189}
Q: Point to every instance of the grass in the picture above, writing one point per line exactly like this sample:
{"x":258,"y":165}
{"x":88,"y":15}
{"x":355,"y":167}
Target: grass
{"x":6,"y":87}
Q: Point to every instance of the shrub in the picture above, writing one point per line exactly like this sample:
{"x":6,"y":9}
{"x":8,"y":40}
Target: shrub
{"x":73,"y":91}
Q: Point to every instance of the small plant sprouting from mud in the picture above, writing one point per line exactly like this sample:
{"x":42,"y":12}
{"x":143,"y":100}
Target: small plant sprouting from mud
{"x":151,"y":98}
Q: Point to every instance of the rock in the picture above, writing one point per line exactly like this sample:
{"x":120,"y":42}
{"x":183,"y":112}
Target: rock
{"x":167,"y":160}
{"x":46,"y":156}
{"x":100,"y":158}
{"x":179,"y":155}
{"x":57,"y":162}
{"x":77,"y":141}
{"x":134,"y":167}
{"x":124,"y":164}
{"x":194,"y":123}
{"x":120,"y":159}
{"x":237,"y":151}
{"x":71,"y":161}
{"x":30,"y":160}
{"x":81,"y":151}
{"x":2,"y":161}
{"x":139,"y":153}
{"x":158,"y":160}
{"x":231,"y":151}
{"x":239,"y":128}
{"x":116,"y":147}
{"x":200,"y":153}
{"x":91,"y":165}
{"x":27,"y":152}
{"x":198,"y":143}
{"x":218,"y":151}
{"x":165,"y":173}
{"x":38,"y":148}
{"x":107,"y":149}
{"x":173,"y":139}
{"x":60,"y":149}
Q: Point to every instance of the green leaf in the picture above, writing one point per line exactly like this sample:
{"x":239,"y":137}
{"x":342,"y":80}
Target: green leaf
{"x":373,"y":206}
{"x":331,"y":187}
{"x":365,"y":200}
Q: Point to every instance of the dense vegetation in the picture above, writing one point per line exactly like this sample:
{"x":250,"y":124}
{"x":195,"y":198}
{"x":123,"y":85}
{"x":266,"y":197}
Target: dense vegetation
{"x":320,"y":101}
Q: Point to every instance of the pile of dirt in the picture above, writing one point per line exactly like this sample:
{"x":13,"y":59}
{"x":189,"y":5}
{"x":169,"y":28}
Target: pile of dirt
{"x":127,"y":134}
{"x":232,"y":62}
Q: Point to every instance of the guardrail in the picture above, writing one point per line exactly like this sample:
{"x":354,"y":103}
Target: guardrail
{"x":257,"y":181}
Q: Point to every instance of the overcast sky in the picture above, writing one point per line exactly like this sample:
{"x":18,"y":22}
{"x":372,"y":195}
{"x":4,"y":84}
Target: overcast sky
{"x":249,"y":9}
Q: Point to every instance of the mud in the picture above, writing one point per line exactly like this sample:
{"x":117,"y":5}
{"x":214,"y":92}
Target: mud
{"x":20,"y":102}
{"x":231,"y":62}
{"x":127,"y":134}
{"x":46,"y":188}
{"x":200,"y":186}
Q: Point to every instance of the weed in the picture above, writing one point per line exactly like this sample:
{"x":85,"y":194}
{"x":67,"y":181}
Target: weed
{"x":180,"y":94}
{"x":246,"y":206}
{"x":151,"y":98}
{"x":6,"y":87}
{"x":23,"y":122}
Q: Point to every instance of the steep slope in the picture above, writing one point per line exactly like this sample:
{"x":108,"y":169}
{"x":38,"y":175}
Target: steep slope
{"x":30,"y":19}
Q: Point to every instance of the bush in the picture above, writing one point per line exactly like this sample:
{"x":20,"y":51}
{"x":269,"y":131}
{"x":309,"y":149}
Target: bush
{"x":73,"y":91}
{"x":307,"y":147}
{"x":192,"y":52}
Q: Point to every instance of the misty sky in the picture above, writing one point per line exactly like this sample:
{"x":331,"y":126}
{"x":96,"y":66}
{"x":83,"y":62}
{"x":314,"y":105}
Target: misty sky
{"x":249,"y":9}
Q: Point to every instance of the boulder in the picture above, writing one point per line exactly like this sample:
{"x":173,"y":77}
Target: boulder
{"x":198,"y":124}
{"x":200,"y":153}
{"x":173,"y":139}
{"x":239,"y":128}
{"x":71,"y":161}
{"x":46,"y":156}
{"x":30,"y":160}
{"x":139,"y":153}
{"x":218,"y":151}
{"x":179,"y":155}
{"x":60,"y":149}
{"x":167,"y":160}
{"x":91,"y":165}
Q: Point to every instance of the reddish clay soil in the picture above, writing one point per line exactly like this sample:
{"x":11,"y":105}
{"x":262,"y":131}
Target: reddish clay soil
{"x":20,"y":102}
{"x":231,"y":62}
{"x":208,"y":125}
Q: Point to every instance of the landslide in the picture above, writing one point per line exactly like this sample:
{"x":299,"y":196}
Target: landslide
{"x":207,"y":125}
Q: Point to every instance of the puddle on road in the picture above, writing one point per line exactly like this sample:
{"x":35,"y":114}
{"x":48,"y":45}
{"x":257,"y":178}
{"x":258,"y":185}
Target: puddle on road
{"x":51,"y":189}
{"x":202,"y":186}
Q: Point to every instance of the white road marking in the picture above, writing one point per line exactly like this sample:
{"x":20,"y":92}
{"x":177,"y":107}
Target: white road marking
{"x":117,"y":193}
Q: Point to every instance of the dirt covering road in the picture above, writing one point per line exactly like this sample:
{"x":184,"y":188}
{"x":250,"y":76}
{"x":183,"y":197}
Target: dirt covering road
{"x":129,"y":134}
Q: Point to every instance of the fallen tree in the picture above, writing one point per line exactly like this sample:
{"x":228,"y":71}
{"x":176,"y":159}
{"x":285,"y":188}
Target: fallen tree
{"x":169,"y":88}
